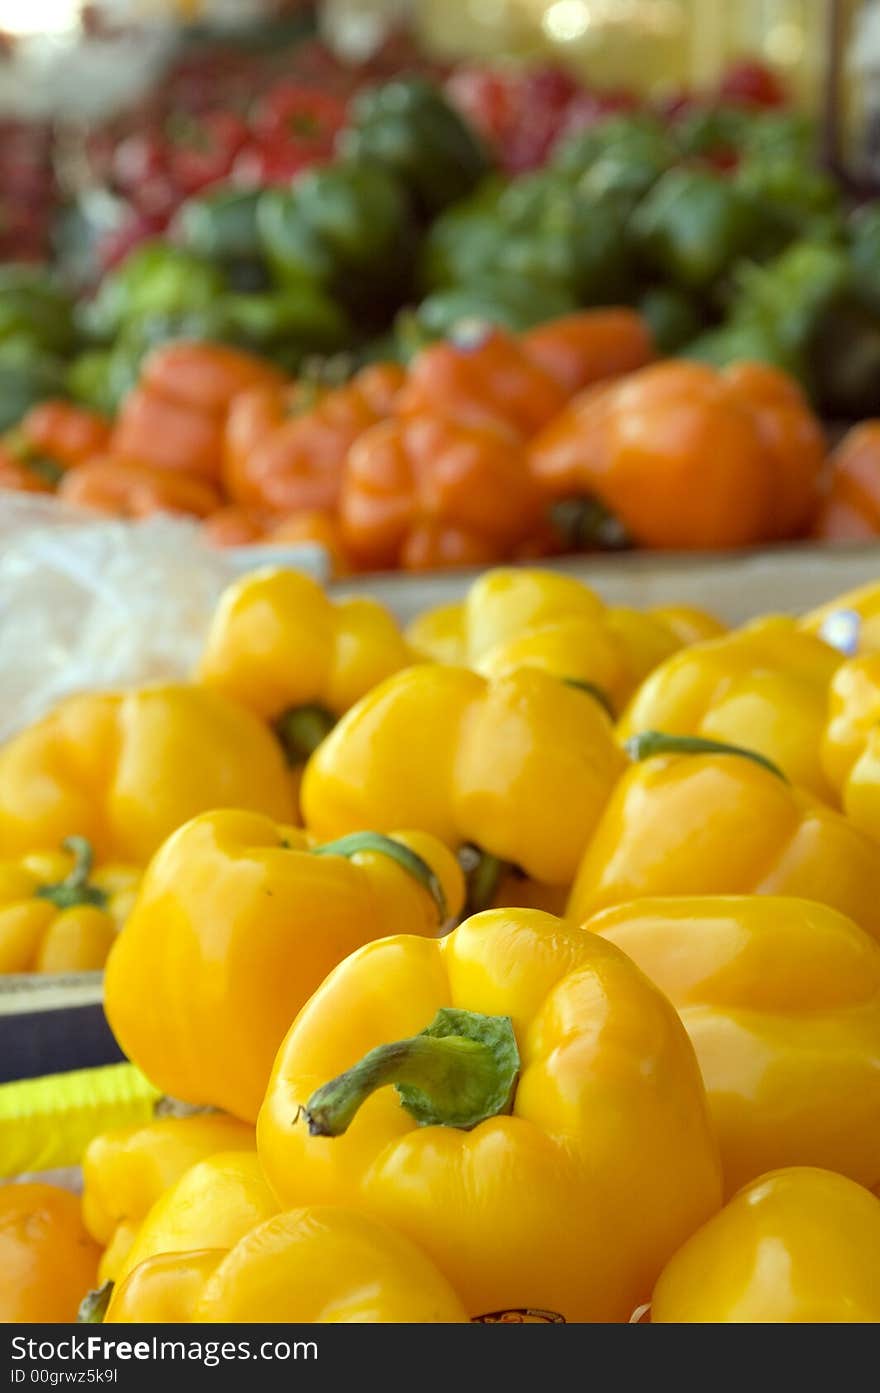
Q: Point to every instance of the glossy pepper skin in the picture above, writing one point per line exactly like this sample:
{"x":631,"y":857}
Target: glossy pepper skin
{"x":124,"y":769}
{"x":850,"y":510}
{"x":346,"y":228}
{"x":238,"y":921}
{"x":409,"y":128}
{"x":307,"y":1265}
{"x":799,"y":1247}
{"x":764,"y":687}
{"x":60,"y":433}
{"x":520,"y":766}
{"x":606,"y":1133}
{"x":124,"y":489}
{"x":781,"y":1000}
{"x":526,"y":617}
{"x":850,"y":622}
{"x":483,"y":375}
{"x":174,"y":419}
{"x":212,"y":1205}
{"x":430,"y":491}
{"x":285,"y":447}
{"x":685,"y":456}
{"x":126,"y":1170}
{"x":696,"y":821}
{"x":280,"y":646}
{"x":47,"y":1259}
{"x":582,"y":349}
{"x":850,"y":746}
{"x":57,"y":914}
{"x":694,"y":224}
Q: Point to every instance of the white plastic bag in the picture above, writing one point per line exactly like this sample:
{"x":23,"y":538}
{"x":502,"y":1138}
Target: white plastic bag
{"x":87,"y":603}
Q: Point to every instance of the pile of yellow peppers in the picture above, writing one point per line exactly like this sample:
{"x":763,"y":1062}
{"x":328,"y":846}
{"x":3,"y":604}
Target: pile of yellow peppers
{"x":522,"y":966}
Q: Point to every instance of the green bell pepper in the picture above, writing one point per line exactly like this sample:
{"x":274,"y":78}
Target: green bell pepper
{"x":410,"y":129}
{"x":302,"y":315}
{"x":785,"y":135}
{"x":344,"y":228}
{"x":463,"y":240}
{"x":156,"y":279}
{"x":509,"y":302}
{"x":674,"y":317}
{"x":712,"y":130}
{"x":34,"y":309}
{"x":790,"y":294}
{"x":621,"y":158}
{"x":694,"y":225}
{"x":796,"y":201}
{"x":779,"y":308}
{"x":221,"y":227}
{"x":541,"y":232}
{"x":747,"y":341}
{"x":89,"y":380}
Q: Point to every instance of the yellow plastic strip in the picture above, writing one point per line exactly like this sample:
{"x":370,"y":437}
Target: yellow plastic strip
{"x":46,"y":1123}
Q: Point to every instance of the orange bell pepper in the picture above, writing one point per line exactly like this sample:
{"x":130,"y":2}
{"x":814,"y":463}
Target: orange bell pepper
{"x":174,"y":419}
{"x":63,"y":433}
{"x":205,"y":376}
{"x":285,"y":447}
{"x":433,"y":491}
{"x":793,"y":440}
{"x":483,"y":375}
{"x":233,"y":527}
{"x":53,"y":437}
{"x":26,"y":476}
{"x":581,"y":349}
{"x":124,"y":489}
{"x":164,"y":434}
{"x":47,"y":1260}
{"x":685,"y":456}
{"x":317,"y":528}
{"x":850,"y":511}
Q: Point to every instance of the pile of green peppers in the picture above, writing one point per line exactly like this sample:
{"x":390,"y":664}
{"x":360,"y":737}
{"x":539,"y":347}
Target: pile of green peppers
{"x":296,"y":274}
{"x":37,"y":334}
{"x":719,"y":226}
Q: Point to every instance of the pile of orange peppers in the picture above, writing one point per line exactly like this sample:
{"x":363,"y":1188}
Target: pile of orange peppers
{"x":488,"y":447}
{"x":519,"y":966}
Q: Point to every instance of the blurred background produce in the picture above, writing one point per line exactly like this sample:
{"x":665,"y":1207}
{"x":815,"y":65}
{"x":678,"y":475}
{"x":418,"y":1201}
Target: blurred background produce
{"x":316,"y":194}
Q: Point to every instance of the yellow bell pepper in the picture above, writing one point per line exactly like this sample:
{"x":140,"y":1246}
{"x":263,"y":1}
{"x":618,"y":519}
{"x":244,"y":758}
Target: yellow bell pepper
{"x":851,"y":743}
{"x":520,"y":767}
{"x":850,"y":623}
{"x":764,"y":687}
{"x":798,"y":1247}
{"x":237,"y":923}
{"x":126,"y":1170}
{"x":696,"y":817}
{"x":124,"y":769}
{"x":57,"y":914}
{"x":162,"y":1289}
{"x":322,"y":1264}
{"x":532,"y":618}
{"x":781,"y":999}
{"x":213,"y":1204}
{"x":279,"y":646}
{"x":547,"y":1143}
